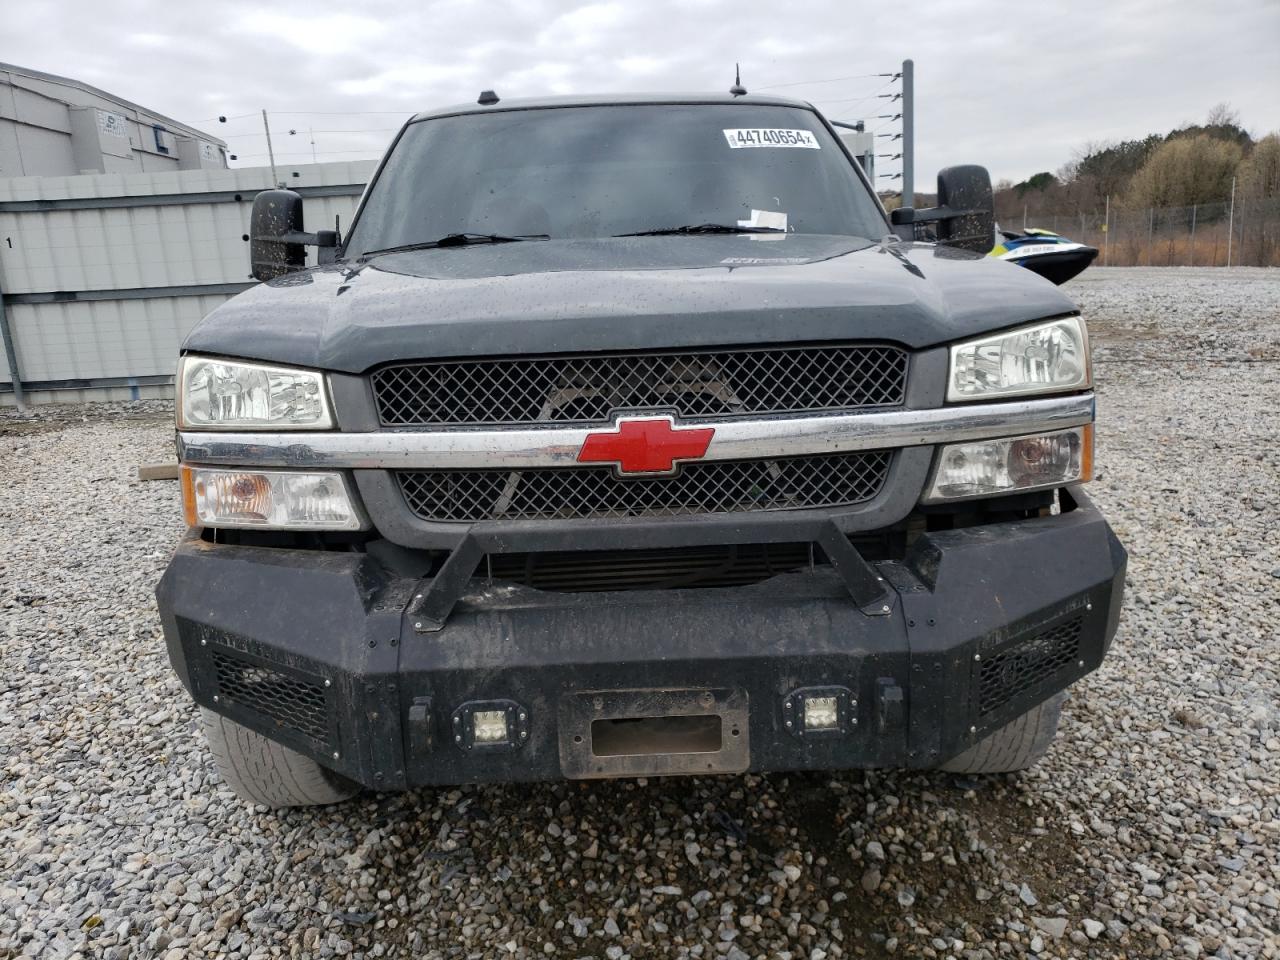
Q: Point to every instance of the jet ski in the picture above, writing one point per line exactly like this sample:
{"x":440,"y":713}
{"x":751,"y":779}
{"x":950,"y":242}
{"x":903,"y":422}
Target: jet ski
{"x":1055,"y":258}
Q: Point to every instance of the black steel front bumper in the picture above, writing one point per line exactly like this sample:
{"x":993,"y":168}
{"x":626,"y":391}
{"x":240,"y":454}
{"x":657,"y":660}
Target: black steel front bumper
{"x":316,"y":650}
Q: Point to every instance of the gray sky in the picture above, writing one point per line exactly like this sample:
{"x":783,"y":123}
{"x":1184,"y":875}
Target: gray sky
{"x":1014,"y":86}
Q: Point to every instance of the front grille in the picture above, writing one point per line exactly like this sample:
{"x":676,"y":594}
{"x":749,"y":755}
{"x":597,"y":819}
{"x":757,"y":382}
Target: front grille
{"x":290,"y":702}
{"x":577,"y":493}
{"x":1026,"y":664}
{"x":587,"y":389}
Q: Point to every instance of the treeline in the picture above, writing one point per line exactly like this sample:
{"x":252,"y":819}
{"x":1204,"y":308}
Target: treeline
{"x":1203,"y":194}
{"x":1191,"y":165}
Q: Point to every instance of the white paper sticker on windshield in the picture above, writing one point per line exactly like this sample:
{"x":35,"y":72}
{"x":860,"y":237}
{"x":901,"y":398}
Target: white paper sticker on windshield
{"x":766,"y":219}
{"x":771,"y":137}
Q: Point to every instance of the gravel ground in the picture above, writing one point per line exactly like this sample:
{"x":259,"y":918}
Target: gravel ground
{"x":1152,"y":828}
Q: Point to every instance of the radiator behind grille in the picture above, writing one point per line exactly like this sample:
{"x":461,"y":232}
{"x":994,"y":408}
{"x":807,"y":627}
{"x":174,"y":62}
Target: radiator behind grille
{"x":657,"y":569}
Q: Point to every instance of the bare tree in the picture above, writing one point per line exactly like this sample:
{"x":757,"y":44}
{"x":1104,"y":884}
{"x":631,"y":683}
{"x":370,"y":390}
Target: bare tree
{"x":1223,"y":115}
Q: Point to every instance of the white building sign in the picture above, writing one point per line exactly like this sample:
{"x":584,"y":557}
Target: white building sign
{"x":112,"y":124}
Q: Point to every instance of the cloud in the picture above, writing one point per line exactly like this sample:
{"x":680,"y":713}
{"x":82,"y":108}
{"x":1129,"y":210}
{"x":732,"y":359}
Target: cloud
{"x":318,"y":34}
{"x":1016,"y":92}
{"x":583,"y":25}
{"x":639,"y":66}
{"x":152,"y":40}
{"x":397,"y":79}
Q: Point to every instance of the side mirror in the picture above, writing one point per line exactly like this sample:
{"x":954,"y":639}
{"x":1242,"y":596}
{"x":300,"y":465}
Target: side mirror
{"x":965,"y":192}
{"x":964,"y":216}
{"x":277,"y":243}
{"x":272,"y":251}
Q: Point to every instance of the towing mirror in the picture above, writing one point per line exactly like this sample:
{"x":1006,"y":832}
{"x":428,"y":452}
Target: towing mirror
{"x":277,"y":243}
{"x":965,"y":214}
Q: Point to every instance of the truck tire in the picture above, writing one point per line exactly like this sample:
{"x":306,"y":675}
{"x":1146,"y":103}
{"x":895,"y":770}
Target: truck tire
{"x":264,"y":772}
{"x":1015,"y":746}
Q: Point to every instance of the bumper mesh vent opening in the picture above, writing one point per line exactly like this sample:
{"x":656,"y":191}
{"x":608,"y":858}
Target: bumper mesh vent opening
{"x":586,"y":389}
{"x":291,"y":702}
{"x":578,"y":493}
{"x":1025,"y":665}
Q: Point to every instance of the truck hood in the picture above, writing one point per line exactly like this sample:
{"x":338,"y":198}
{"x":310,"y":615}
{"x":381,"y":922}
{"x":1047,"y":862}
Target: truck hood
{"x":558,"y":296}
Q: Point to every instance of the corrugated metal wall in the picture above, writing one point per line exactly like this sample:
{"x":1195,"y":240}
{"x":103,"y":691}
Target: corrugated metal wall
{"x":102,"y":276}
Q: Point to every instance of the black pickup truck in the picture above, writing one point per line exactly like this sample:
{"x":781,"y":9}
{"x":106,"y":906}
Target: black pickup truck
{"x":629,"y":436}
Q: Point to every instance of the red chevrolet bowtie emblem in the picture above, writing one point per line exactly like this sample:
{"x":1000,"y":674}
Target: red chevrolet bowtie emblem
{"x":652,"y":445}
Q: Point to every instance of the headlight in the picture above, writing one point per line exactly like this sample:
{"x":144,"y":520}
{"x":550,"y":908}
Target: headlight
{"x":273,"y":499}
{"x":1045,"y":358}
{"x":988,"y":467}
{"x":227,"y":394}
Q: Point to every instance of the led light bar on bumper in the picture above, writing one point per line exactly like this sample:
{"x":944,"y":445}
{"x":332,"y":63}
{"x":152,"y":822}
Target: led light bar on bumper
{"x":268,"y":499}
{"x":1012,"y":465}
{"x":1051,"y":357}
{"x":229,"y":395}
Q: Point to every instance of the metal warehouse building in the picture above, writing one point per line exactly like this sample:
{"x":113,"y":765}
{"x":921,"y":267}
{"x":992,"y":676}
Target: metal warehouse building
{"x":119,"y":230}
{"x":102,"y":276}
{"x":52,"y":126}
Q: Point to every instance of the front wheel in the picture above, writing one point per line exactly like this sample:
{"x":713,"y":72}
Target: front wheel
{"x":1015,"y":746}
{"x":262,"y":771}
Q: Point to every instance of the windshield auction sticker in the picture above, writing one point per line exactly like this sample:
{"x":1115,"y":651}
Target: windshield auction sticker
{"x":771,"y":137}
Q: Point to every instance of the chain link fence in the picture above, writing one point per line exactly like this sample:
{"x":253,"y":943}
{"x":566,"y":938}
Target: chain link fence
{"x":1203,"y":235}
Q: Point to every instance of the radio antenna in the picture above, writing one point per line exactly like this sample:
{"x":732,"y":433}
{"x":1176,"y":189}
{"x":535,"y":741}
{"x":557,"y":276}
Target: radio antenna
{"x":738,"y":90}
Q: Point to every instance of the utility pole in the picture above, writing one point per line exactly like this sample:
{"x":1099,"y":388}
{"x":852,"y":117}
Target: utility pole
{"x":271,"y":154}
{"x":311,"y":132}
{"x":908,"y":134}
{"x":1231,"y":219}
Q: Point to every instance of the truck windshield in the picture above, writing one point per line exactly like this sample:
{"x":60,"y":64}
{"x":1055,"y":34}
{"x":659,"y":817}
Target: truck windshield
{"x":605,"y":171}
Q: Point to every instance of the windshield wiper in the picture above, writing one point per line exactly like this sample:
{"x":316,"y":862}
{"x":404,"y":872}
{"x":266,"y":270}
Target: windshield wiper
{"x":455,"y":240}
{"x":700,"y":228}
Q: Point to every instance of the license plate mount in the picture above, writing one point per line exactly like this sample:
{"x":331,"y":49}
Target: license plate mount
{"x":653,"y":733}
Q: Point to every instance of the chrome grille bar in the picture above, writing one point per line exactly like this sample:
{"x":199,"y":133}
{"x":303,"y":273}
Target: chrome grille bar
{"x":556,"y":446}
